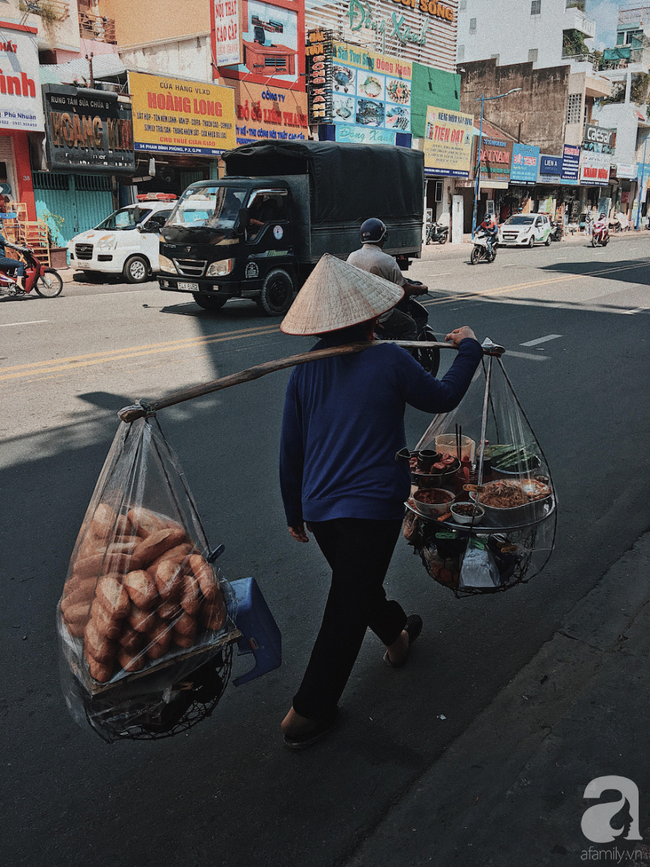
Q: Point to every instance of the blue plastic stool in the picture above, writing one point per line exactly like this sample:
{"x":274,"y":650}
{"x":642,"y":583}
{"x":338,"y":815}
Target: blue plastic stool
{"x":260,"y":633}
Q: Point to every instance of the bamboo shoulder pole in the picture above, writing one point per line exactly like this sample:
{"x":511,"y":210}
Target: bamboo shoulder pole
{"x":143,"y":408}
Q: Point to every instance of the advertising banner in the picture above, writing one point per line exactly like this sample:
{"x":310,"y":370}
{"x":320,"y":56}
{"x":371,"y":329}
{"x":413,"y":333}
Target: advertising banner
{"x":369,"y":89}
{"x":496,"y":159}
{"x":525,"y":160}
{"x":550,"y":165}
{"x":448,"y":142}
{"x":594,"y":169}
{"x":599,"y":139}
{"x":361,"y":135}
{"x":181,"y":117}
{"x":625,"y":170}
{"x":270,"y":36}
{"x":265,"y":112}
{"x":20,"y":98}
{"x":87,"y":129}
{"x":570,"y":165}
{"x":226,"y":32}
{"x":318,"y":51}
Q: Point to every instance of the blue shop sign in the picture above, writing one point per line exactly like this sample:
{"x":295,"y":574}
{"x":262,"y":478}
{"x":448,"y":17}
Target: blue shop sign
{"x":550,"y":165}
{"x":525,"y":162}
{"x":571,"y":164}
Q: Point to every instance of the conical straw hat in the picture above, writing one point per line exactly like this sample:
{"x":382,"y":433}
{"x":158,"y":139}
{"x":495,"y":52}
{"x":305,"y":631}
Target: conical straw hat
{"x":337,"y":295}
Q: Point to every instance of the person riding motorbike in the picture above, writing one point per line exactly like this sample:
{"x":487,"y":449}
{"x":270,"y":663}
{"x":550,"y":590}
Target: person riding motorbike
{"x":491,"y":229}
{"x":600,"y":225}
{"x":400,"y":320}
{"x":9,"y":265}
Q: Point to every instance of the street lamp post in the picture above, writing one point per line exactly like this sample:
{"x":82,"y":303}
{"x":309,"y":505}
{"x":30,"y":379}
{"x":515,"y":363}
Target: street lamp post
{"x":477,"y":187}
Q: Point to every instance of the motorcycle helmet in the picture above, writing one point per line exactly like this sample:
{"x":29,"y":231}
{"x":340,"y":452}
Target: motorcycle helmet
{"x":602,"y":216}
{"x":373,"y":231}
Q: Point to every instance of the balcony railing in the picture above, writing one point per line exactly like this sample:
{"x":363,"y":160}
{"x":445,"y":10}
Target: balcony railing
{"x":47,"y":10}
{"x":580,"y":58}
{"x":97,"y":27}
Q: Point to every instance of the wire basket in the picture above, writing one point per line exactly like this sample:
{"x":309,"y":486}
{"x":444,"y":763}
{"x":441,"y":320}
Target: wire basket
{"x":162,"y":712}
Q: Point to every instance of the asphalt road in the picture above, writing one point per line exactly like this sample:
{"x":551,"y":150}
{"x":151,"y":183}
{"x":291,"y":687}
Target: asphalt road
{"x":229,"y":792}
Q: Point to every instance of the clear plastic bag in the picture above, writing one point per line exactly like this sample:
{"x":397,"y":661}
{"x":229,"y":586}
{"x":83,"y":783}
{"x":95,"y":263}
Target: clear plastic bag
{"x":145,"y":620}
{"x":486,"y":457}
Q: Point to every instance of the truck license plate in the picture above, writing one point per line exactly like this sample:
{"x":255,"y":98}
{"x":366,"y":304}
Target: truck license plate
{"x":188,"y":287}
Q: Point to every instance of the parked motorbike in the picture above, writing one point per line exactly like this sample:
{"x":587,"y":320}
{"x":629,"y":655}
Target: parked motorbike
{"x":600,"y":236}
{"x":437,"y":233}
{"x":481,"y":249}
{"x":428,"y":358}
{"x":45,"y":281}
{"x":557,"y":232}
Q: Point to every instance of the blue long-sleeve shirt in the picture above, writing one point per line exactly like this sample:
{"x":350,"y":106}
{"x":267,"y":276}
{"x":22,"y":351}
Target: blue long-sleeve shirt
{"x":344,"y":422}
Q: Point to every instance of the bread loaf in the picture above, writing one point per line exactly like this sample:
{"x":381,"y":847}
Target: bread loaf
{"x":131,"y":640}
{"x":213,"y":614}
{"x":185,"y":625}
{"x":145,"y":522}
{"x":191,"y":595}
{"x":204,"y":575}
{"x":101,"y":564}
{"x":141,"y":588}
{"x":160,"y":638}
{"x":106,"y":625}
{"x":156,"y":544}
{"x":169,"y":577}
{"x":100,"y":648}
{"x":169,"y":610}
{"x":142,"y":621}
{"x":130,"y":661}
{"x":113,"y":597}
{"x":100,"y":671}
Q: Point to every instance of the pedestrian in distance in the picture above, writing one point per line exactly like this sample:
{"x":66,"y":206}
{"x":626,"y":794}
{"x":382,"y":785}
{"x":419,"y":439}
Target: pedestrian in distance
{"x":342,"y":426}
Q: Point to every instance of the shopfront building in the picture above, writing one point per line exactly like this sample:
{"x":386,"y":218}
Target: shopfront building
{"x":180,"y":128}
{"x":21,"y":111}
{"x":88,"y":149}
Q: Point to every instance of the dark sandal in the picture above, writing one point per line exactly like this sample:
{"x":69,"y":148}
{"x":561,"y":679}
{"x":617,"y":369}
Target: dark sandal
{"x":413,"y":629}
{"x":300,"y":742}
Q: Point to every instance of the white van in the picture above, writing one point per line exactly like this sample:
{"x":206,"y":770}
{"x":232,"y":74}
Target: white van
{"x":525,"y":230}
{"x":125,"y":243}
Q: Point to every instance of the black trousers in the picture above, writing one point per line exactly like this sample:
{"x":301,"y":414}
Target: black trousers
{"x":359,"y":552}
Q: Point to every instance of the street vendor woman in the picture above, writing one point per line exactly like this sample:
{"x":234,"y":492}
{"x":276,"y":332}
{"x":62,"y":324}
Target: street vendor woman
{"x":343,"y":424}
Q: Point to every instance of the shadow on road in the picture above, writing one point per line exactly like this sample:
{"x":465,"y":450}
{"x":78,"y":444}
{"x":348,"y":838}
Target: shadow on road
{"x":228,"y":792}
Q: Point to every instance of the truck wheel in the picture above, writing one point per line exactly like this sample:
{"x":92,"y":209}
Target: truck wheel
{"x":209,"y":302}
{"x":136,"y":270}
{"x":277,"y":293}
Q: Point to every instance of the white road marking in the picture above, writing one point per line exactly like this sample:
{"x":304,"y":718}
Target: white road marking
{"x":444,"y":274}
{"x":529,"y":356}
{"x":32,"y":322}
{"x":510,"y":265}
{"x":636,"y":310}
{"x":541,"y":340}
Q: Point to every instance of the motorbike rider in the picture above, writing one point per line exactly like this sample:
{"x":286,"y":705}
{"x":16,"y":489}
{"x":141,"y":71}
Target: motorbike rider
{"x":9,"y":265}
{"x":399,"y":321}
{"x":601,"y":224}
{"x":491,"y":229}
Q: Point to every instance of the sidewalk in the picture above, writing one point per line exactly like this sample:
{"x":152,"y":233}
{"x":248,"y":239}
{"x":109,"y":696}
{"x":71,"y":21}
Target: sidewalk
{"x":509,"y":792}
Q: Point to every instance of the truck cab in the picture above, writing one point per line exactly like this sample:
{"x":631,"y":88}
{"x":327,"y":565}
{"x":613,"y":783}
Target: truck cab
{"x":232,"y":238}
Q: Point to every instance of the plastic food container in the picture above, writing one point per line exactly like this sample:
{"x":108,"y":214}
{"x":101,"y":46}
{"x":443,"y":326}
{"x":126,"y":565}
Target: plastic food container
{"x":459,"y":518}
{"x":447,"y":443}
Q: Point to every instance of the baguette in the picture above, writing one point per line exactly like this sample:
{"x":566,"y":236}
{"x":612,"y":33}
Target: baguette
{"x":213,"y":614}
{"x":99,"y":647}
{"x":169,"y":610}
{"x":179,"y":553}
{"x":86,"y":585}
{"x":82,"y":594}
{"x":76,"y":618}
{"x":141,"y":588}
{"x":191,"y":595}
{"x":130,"y":661}
{"x":142,"y":621}
{"x":145,"y":522}
{"x":101,"y":564}
{"x":185,"y":625}
{"x":204,"y":575}
{"x":131,"y":640}
{"x":159,"y":640}
{"x":106,"y":625}
{"x":156,"y":544}
{"x":100,"y":671}
{"x":113,"y":597}
{"x":106,"y":523}
{"x":169,"y":577}
{"x":185,"y":641}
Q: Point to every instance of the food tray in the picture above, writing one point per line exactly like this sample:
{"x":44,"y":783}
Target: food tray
{"x":549,"y":509}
